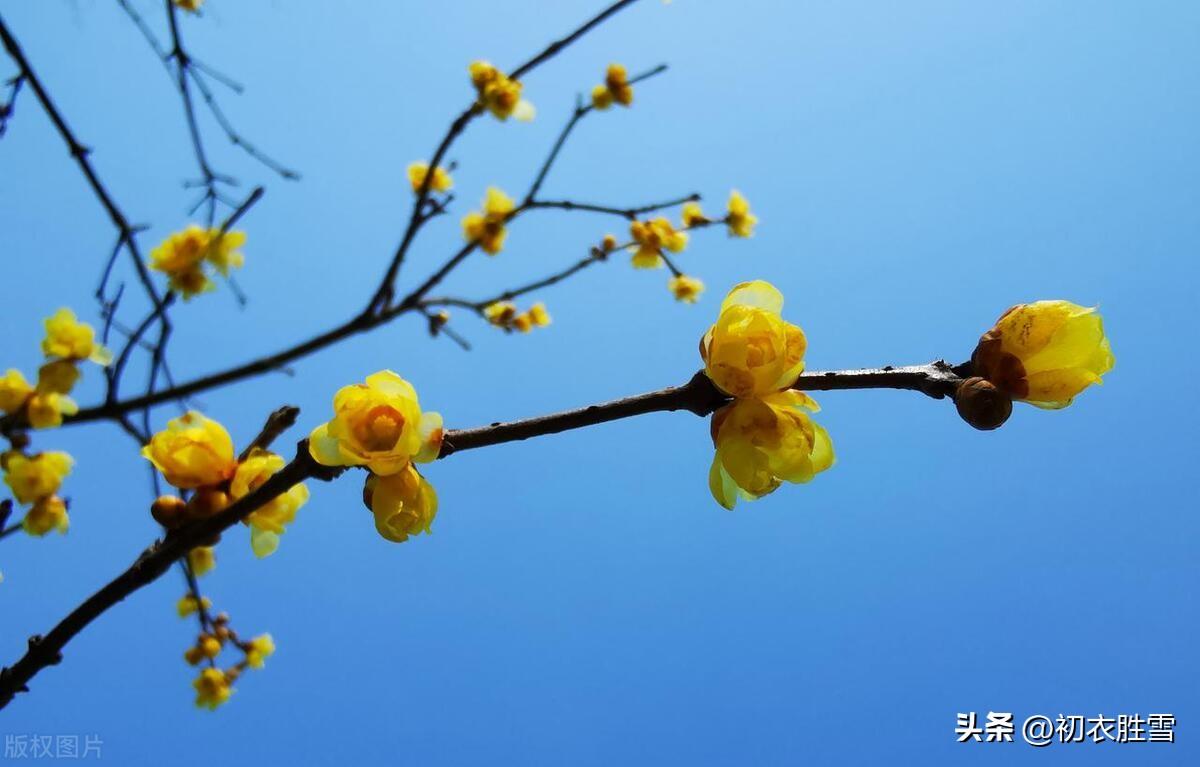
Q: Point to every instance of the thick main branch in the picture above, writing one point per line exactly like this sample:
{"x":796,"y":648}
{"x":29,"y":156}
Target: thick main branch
{"x":698,"y":396}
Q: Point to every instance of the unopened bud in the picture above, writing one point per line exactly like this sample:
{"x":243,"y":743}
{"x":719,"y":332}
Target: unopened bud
{"x":981,"y":404}
{"x":207,"y":502}
{"x":169,"y":511}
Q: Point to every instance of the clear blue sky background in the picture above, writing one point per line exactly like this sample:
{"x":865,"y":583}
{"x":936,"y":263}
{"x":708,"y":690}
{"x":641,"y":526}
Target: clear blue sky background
{"x":918,"y":167}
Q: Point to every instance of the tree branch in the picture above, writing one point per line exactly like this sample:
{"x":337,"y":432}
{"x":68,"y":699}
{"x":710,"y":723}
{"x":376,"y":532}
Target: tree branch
{"x":698,"y":396}
{"x":80,"y":154}
{"x":577,"y":114}
{"x":383,"y":295}
{"x":629,"y":213}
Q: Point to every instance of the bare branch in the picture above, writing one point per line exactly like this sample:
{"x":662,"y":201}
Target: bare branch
{"x":383,"y":294}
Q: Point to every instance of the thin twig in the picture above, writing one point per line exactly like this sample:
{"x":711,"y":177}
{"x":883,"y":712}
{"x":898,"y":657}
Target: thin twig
{"x":629,"y":213}
{"x":512,"y":293}
{"x":577,"y":114}
{"x":383,"y":294}
{"x":80,"y":154}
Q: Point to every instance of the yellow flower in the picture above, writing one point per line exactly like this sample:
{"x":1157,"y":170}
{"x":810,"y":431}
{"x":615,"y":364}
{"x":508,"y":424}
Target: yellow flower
{"x":46,"y":410}
{"x":69,"y":339}
{"x":686,"y":289}
{"x":260,"y":648}
{"x":377,"y":424}
{"x":441,"y":181}
{"x":500,"y":313}
{"x":487,"y":226}
{"x":601,"y":97}
{"x":1045,"y":353}
{"x":183,"y":254}
{"x":740,"y":220}
{"x":46,"y":514}
{"x":202,"y":560}
{"x":36,"y":477}
{"x":188,"y":605}
{"x":267,"y":522}
{"x":650,"y":238}
{"x":616,"y":88}
{"x":57,"y":377}
{"x":499,"y":94}
{"x":14,"y":391}
{"x":764,"y":442}
{"x":609,"y":243}
{"x":404,"y":504}
{"x":503,"y":314}
{"x":751,"y":350}
{"x":538,"y":315}
{"x":191,"y":282}
{"x":222,"y":250}
{"x":193,"y":451}
{"x":692,"y":215}
{"x":212,"y":688}
{"x":207,"y":646}
{"x":192,"y":6}
{"x":181,"y":257}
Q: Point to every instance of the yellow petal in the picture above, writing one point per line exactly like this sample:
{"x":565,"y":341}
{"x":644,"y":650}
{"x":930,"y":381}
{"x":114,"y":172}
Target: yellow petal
{"x":758,"y":293}
{"x":721,"y":485}
{"x":431,"y":431}
{"x":324,"y":449}
{"x":263,"y":542}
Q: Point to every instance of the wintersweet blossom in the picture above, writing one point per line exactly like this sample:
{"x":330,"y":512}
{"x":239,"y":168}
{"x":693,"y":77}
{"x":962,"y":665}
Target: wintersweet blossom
{"x":441,"y":181}
{"x":259,"y":649}
{"x":202,"y":560}
{"x":686,"y":289}
{"x":14,"y":391}
{"x":751,"y":350}
{"x":58,"y":377}
{"x":213,"y":687}
{"x":69,"y":339}
{"x":39,"y":476}
{"x":764,"y":437}
{"x":45,"y":410}
{"x":504,"y":314}
{"x":184,"y":255}
{"x":692,"y":215}
{"x":403,"y":503}
{"x":763,"y":442}
{"x":46,"y":514}
{"x":188,"y":605}
{"x":498,"y":93}
{"x":378,"y":424}
{"x":651,"y":238}
{"x":487,"y":227}
{"x":739,"y":219}
{"x":616,"y":88}
{"x":1045,"y":353}
{"x":192,"y":452}
{"x":268,"y":521}
{"x":192,"y":6}
{"x":224,"y":252}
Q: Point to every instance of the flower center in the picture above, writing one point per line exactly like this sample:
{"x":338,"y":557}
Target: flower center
{"x":381,"y":428}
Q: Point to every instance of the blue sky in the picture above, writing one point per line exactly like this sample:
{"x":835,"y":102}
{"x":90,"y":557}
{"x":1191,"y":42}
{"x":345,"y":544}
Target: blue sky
{"x":917,"y":167}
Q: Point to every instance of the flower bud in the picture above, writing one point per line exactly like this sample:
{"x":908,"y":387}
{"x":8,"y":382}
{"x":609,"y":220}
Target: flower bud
{"x":981,"y":404}
{"x":169,"y":511}
{"x":207,"y":501}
